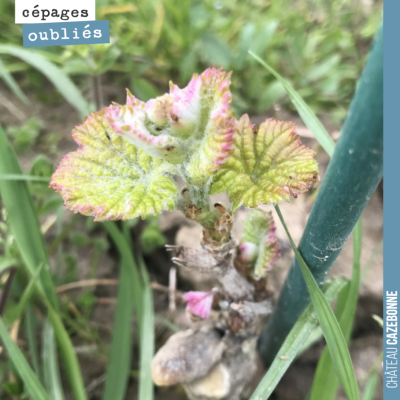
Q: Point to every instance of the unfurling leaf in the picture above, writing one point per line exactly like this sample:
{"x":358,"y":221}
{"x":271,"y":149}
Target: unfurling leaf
{"x":109,"y":178}
{"x":260,"y":246}
{"x":268,"y":166}
{"x":128,"y":154}
{"x":191,"y":126}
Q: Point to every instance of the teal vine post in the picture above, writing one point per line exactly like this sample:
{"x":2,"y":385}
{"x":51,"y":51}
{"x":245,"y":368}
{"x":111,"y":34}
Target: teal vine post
{"x":352,"y":176}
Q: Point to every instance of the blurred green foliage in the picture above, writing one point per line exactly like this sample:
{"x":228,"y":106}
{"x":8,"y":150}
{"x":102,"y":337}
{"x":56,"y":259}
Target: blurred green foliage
{"x":152,"y":237}
{"x":25,"y":135}
{"x":318,"y":45}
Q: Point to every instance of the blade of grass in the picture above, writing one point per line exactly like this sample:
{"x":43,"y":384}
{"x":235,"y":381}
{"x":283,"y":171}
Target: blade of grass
{"x":59,"y":79}
{"x":18,"y":177}
{"x":139,"y":286}
{"x":30,"y":333}
{"x":370,"y":387}
{"x":144,"y":306}
{"x":326,"y":382}
{"x":60,"y":251}
{"x":68,"y":354}
{"x":7,"y":263}
{"x":335,"y":340}
{"x":306,"y":114}
{"x":121,"y":346}
{"x":12,"y":84}
{"x":325,"y":376}
{"x":67,"y":351}
{"x":171,"y":326}
{"x":21,"y":306}
{"x":22,"y":216}
{"x":294,"y":342}
{"x":128,"y":293}
{"x":375,"y":368}
{"x":32,"y":384}
{"x":124,"y":249}
{"x":147,"y":339}
{"x":50,"y":363}
{"x":378,"y":319}
{"x":315,"y":336}
{"x":25,"y":226}
{"x":6,"y":289}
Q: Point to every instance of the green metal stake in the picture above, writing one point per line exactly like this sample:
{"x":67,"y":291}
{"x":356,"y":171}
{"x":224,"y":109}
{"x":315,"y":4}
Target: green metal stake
{"x":352,"y":176}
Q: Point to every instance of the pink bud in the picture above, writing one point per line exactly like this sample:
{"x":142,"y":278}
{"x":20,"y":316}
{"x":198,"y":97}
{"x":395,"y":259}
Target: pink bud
{"x":199,"y":303}
{"x":248,"y":251}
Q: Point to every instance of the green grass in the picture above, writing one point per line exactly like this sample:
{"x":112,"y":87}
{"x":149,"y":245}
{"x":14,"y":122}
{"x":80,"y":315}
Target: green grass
{"x":134,"y":294}
{"x":325,"y":382}
{"x":294,"y":342}
{"x":34,"y":387}
{"x":25,"y":227}
{"x":318,"y":47}
{"x":59,"y":79}
{"x":331,"y":329}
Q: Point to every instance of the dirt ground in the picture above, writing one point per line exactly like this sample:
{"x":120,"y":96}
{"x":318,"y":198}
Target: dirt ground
{"x":367,"y":337}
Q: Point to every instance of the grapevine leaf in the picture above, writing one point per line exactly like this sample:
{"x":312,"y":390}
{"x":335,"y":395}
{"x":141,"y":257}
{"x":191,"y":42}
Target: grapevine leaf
{"x":191,"y":126}
{"x":111,"y":179}
{"x":260,"y":246}
{"x":268,"y":166}
{"x":214,"y":145}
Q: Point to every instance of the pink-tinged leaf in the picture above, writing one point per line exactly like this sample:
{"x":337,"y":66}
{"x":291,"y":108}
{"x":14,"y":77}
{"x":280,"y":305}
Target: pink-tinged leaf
{"x":199,"y":303}
{"x":213,"y":138}
{"x":191,"y":126}
{"x":132,"y":121}
{"x":260,"y":246}
{"x":266,"y":167}
{"x":109,"y":178}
